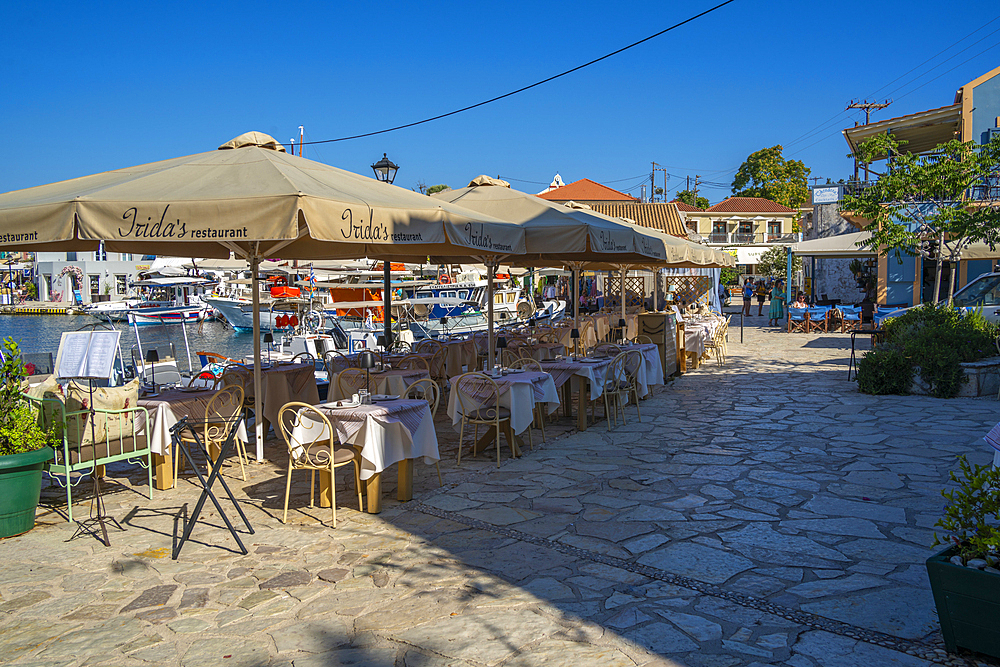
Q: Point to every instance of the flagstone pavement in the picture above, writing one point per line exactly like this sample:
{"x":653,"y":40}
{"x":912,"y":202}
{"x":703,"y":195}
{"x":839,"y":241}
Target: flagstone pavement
{"x":760,"y":513}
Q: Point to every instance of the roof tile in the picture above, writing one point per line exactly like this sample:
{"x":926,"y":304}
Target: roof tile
{"x":659,"y":216}
{"x":585,"y":190}
{"x":749,"y":205}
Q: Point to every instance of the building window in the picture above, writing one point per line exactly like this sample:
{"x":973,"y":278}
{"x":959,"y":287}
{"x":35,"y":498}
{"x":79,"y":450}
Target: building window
{"x":744,"y":234}
{"x":719,"y":234}
{"x":121,"y":283}
{"x":95,"y":284}
{"x":71,"y":257}
{"x":773,"y":230}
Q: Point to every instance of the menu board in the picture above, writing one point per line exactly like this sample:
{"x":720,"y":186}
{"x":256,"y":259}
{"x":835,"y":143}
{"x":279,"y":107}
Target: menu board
{"x":87,"y":354}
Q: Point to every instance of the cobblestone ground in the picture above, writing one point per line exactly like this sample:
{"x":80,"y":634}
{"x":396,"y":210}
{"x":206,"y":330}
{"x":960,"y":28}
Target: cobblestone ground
{"x":761,"y":513}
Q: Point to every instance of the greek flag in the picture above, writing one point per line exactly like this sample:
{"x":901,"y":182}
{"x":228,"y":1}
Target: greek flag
{"x":312,"y":279}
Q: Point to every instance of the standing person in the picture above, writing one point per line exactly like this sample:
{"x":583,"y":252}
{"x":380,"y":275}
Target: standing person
{"x":777,"y":312}
{"x":761,"y":293}
{"x":747,"y":296}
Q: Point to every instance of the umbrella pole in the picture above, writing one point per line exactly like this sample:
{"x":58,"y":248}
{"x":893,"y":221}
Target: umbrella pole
{"x":575,"y":268}
{"x":387,"y":303}
{"x":491,"y":270}
{"x":622,"y":286}
{"x":257,"y":417}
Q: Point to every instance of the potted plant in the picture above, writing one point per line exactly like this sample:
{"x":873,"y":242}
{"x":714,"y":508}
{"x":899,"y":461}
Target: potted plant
{"x":965,"y":577}
{"x":24,"y":448}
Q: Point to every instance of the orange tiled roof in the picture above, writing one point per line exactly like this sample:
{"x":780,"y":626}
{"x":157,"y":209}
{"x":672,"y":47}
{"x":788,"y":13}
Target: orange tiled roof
{"x":585,"y":190}
{"x":687,"y":208}
{"x":659,"y":216}
{"x":749,"y":205}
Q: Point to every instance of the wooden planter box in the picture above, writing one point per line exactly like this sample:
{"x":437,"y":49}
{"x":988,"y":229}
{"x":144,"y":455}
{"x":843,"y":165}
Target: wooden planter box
{"x":968,"y":604}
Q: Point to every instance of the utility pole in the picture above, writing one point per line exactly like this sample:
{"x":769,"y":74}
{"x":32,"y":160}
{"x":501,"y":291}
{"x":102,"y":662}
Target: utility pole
{"x":696,"y":178}
{"x":652,"y":183}
{"x":868,"y":107}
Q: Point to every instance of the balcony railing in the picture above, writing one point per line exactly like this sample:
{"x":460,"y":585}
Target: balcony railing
{"x":739,"y":238}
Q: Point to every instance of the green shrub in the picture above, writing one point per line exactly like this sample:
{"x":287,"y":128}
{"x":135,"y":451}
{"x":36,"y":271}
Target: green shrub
{"x":884,"y":370}
{"x":19,"y":429}
{"x":973,"y":511}
{"x":936,"y":339}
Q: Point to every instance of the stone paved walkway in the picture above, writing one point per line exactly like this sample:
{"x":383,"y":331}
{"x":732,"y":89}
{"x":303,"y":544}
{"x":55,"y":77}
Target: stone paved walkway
{"x":762,"y":513}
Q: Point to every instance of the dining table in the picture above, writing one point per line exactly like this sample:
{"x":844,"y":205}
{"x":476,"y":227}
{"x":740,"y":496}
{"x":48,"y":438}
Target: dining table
{"x":387,"y":432}
{"x":520,"y":392}
{"x":698,"y":330}
{"x":165,"y":409}
{"x":584,"y":375}
{"x":393,"y":381}
{"x":461,"y":356}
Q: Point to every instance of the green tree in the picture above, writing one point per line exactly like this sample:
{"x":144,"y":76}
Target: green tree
{"x":692,"y":199}
{"x":921,"y":206}
{"x":773,"y":263}
{"x":437,"y":188}
{"x":766,"y":173}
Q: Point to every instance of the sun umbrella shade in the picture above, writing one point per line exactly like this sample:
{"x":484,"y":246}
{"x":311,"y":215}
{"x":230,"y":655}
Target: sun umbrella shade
{"x":252,"y":198}
{"x":554,"y":230}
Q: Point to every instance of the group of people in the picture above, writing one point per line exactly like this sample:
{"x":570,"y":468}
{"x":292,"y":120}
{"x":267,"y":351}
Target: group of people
{"x":775,"y":291}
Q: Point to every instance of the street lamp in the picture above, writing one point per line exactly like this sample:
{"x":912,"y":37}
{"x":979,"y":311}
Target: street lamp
{"x":385,"y":170}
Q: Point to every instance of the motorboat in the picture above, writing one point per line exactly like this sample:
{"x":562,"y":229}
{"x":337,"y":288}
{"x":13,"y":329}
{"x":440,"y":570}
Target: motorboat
{"x":166,"y":300}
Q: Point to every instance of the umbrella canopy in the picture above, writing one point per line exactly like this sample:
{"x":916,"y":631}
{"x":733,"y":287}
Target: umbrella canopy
{"x":251,"y":198}
{"x":556,"y":231}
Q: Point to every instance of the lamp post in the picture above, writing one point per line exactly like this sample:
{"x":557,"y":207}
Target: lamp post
{"x":385,"y":171}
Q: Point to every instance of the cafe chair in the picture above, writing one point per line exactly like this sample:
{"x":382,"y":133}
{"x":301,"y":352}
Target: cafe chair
{"x":633,"y":362}
{"x":336,"y":362}
{"x":223,"y":410}
{"x":412,"y":362}
{"x":717,"y":344}
{"x":351,"y":381}
{"x":242,"y":377}
{"x":850,"y":318}
{"x":428,"y":390}
{"x":508,"y":357}
{"x":818,"y":319}
{"x":312,"y":446}
{"x":539,"y":417}
{"x":606,"y":350}
{"x":304,"y":358}
{"x":797,"y":321}
{"x":204,"y":380}
{"x":479,"y":404}
{"x":642,"y":339}
{"x":615,"y":384}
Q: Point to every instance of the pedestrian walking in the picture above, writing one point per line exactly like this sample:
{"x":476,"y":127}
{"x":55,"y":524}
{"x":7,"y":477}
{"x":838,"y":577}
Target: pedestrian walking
{"x":761,"y":293}
{"x":747,"y":296}
{"x":777,"y":312}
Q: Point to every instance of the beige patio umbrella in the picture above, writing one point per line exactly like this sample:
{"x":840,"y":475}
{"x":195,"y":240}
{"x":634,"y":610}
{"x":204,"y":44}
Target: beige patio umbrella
{"x":254,"y":200}
{"x":575,"y":236}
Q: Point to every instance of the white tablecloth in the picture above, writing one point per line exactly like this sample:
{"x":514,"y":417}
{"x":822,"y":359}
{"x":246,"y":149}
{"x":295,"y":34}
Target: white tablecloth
{"x":387,"y":433}
{"x":167,"y":409}
{"x":519,"y":393}
{"x":594,"y":371}
{"x":392,"y":382}
{"x":651,"y":371}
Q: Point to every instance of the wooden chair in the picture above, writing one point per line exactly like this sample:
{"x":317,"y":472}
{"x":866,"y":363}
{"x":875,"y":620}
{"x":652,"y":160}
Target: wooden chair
{"x":304,"y":358}
{"x":312,"y":446}
{"x":718,"y":344}
{"x":351,"y":381}
{"x":428,"y":390}
{"x":817,"y":319}
{"x":223,"y":410}
{"x":242,"y":377}
{"x":643,"y":340}
{"x":479,"y":403}
{"x":798,"y":320}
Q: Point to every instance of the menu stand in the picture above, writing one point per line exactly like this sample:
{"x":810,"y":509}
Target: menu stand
{"x":181,"y":446}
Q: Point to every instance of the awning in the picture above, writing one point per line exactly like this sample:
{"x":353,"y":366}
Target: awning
{"x":748,"y":254}
{"x":842,"y":245}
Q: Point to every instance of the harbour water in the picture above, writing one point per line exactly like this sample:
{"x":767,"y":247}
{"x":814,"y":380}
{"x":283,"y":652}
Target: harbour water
{"x":41,"y":333}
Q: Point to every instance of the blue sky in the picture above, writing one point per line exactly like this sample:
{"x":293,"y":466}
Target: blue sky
{"x":91,"y":87}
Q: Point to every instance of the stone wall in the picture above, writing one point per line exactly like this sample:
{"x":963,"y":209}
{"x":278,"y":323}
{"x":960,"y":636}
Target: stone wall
{"x":984,"y":379}
{"x":832,"y":275}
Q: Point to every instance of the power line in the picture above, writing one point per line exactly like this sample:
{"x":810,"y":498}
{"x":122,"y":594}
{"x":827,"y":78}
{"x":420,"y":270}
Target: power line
{"x":533,"y":85}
